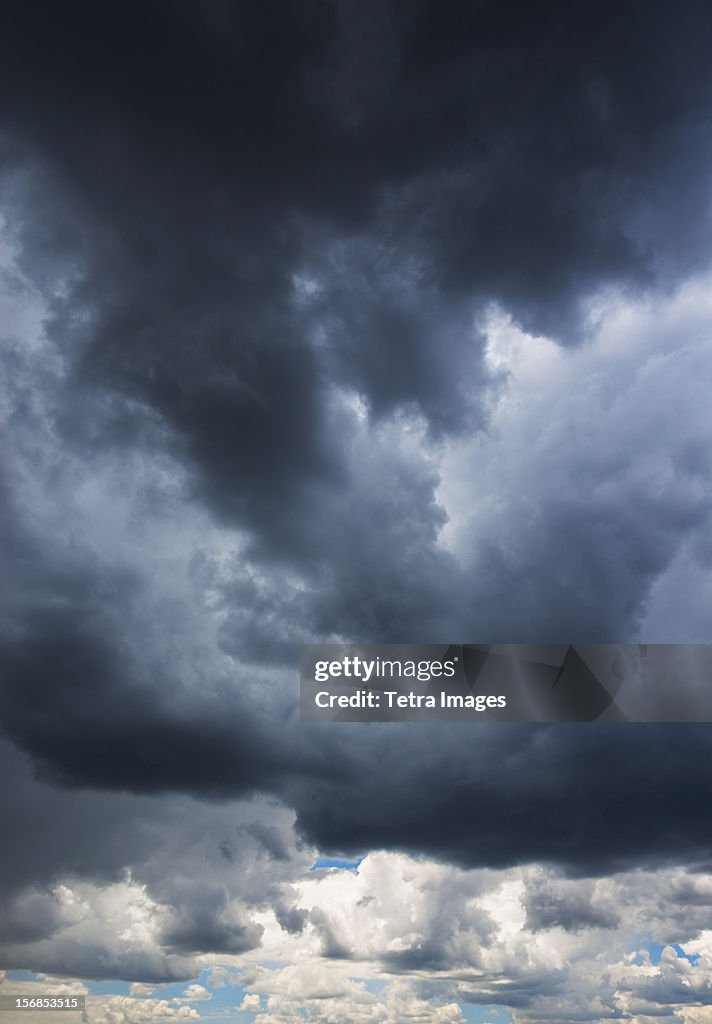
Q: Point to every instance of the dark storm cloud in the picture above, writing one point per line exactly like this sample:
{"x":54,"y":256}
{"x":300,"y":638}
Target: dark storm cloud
{"x":527,"y":156}
{"x":73,"y":701}
{"x":593,"y":799}
{"x":177,"y":168}
{"x":93,"y":694}
{"x":234,"y":213}
{"x":92,"y":710}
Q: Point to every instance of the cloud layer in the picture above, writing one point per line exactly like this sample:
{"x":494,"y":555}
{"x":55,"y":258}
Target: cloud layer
{"x":350,"y":322}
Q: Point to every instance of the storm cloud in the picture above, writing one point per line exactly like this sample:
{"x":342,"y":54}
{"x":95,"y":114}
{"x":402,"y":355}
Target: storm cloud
{"x":348,"y":322}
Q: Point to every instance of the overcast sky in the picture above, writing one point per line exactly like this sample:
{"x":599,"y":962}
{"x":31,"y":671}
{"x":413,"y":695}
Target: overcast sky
{"x":350,"y":321}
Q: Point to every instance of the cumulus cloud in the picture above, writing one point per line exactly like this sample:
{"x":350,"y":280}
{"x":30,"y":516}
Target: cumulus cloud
{"x":126,"y":1010}
{"x":421,"y":940}
{"x":357,"y":322}
{"x":250,"y":1002}
{"x":588,"y":481}
{"x":108,"y":641}
{"x":434,"y":938}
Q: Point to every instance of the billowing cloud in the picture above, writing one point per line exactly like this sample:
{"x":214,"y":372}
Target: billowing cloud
{"x":364,"y":323}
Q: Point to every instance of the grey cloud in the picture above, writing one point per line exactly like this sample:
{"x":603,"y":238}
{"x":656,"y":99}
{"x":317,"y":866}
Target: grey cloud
{"x":66,"y":682}
{"x":568,"y":905}
{"x":264,"y":243}
{"x":90,"y":843}
{"x":94,"y":961}
{"x":206,"y":927}
{"x":292,"y":919}
{"x":332,"y":946}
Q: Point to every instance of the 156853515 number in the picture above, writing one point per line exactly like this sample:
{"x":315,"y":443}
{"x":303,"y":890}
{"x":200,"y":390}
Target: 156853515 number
{"x":45,"y":1002}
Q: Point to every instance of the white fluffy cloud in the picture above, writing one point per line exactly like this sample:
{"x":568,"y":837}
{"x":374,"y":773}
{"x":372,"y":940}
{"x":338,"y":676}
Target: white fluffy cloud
{"x":409,"y":939}
{"x":126,"y":1010}
{"x":546,"y":947}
